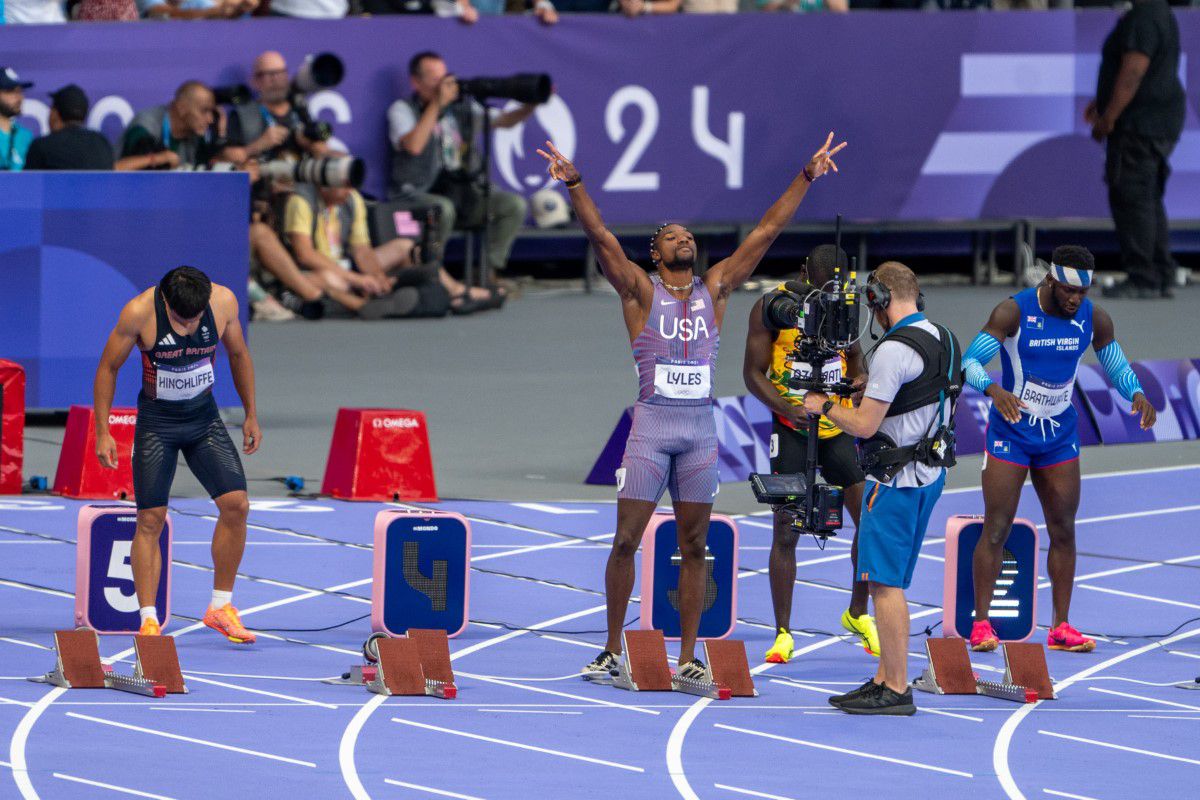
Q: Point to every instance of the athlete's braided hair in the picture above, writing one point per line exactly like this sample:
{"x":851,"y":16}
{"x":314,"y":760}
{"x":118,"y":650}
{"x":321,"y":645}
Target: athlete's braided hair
{"x":654,"y":238}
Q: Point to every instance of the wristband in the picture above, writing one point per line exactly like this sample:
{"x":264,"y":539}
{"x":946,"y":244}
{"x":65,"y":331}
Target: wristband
{"x":807,"y":176}
{"x":574,"y":183}
{"x":830,"y":403}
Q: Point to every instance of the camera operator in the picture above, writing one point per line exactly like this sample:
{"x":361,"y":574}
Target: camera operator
{"x":432,"y":135}
{"x":768,"y":369}
{"x":273,"y":127}
{"x":187,"y":132}
{"x":906,"y":421}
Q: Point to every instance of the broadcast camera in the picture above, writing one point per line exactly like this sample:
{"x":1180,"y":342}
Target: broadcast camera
{"x":827,"y":318}
{"x":524,"y":88}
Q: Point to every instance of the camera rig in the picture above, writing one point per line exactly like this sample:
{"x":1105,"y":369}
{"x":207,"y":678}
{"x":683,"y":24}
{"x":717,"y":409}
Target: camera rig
{"x":828,"y":319}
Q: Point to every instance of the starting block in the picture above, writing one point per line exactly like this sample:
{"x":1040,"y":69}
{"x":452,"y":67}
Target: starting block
{"x":1026,"y":676}
{"x":417,"y":664}
{"x":78,"y":666}
{"x":643,"y":668}
{"x":158,"y":661}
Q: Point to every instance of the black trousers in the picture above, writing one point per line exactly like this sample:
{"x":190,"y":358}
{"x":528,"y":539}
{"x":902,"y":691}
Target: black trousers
{"x":1136,"y":171}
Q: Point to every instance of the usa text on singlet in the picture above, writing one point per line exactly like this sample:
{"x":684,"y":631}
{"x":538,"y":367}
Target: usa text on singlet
{"x":677,"y":350}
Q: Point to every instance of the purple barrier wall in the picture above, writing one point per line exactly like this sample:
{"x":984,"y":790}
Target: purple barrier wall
{"x":987,"y":123}
{"x":1172,"y":387}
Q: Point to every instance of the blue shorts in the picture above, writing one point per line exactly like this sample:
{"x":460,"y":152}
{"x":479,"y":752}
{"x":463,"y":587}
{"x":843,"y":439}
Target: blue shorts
{"x":1037,"y":445}
{"x":891,"y":530}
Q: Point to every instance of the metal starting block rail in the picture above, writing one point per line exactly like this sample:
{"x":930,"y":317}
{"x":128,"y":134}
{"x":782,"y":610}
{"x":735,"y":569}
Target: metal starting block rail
{"x":1026,"y":676}
{"x":643,"y":667}
{"x":417,"y":664}
{"x":77,"y":665}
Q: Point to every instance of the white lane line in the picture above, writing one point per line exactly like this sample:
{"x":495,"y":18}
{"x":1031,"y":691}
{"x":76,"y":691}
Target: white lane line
{"x":1067,"y":795}
{"x":832,"y":749}
{"x":527,"y":711}
{"x":430,"y":790}
{"x":206,"y":710}
{"x":24,"y":643}
{"x":1155,"y":512}
{"x":927,"y":710}
{"x":1185,"y":655}
{"x":1112,"y":746}
{"x":1122,"y":570}
{"x":189,"y":739}
{"x":588,"y":645}
{"x":518,"y":745}
{"x":547,"y":509}
{"x":750,"y":793}
{"x":20,"y":737}
{"x":26,"y":587}
{"x":7,"y":701}
{"x":350,"y":735}
{"x":541,"y":690}
{"x":536,"y":547}
{"x":1146,"y":699}
{"x":1160,"y":716}
{"x":1137,"y":596}
{"x":674,"y":753}
{"x":113,"y":787}
{"x":1004,"y":737}
{"x":263,"y":692}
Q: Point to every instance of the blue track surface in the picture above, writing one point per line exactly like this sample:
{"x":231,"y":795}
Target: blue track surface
{"x":258,"y":722}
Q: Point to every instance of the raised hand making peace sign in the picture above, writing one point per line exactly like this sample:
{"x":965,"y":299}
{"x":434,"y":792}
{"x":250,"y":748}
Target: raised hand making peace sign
{"x":822,"y":160}
{"x":560,"y":167}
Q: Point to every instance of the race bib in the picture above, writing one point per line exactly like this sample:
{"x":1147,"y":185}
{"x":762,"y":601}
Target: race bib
{"x":184,"y":383}
{"x":831,"y":372}
{"x":1044,"y":399}
{"x":682,"y":380}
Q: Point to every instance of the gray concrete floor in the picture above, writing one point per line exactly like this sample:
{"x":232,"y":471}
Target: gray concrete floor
{"x":521,"y":401}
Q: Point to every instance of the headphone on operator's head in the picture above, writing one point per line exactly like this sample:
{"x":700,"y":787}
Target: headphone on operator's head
{"x":878,"y":296}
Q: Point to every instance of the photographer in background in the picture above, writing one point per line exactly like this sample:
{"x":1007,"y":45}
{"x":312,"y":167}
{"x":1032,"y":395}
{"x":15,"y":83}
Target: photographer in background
{"x":906,"y":419}
{"x":187,"y":132}
{"x":273,"y":127}
{"x":326,"y":230}
{"x":767,"y":370}
{"x":432,"y":135}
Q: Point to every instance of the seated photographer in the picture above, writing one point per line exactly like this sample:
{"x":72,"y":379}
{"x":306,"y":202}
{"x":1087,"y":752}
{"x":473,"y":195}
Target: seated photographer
{"x":767,"y":369}
{"x":187,"y":132}
{"x":432,"y":135}
{"x":273,"y":127}
{"x":326,"y":231}
{"x":905,"y":420}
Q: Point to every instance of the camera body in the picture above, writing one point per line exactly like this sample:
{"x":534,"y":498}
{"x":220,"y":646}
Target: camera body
{"x":828,"y":320}
{"x":813,"y":507}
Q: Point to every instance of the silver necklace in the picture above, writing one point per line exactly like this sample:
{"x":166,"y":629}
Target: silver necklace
{"x":676,"y":288}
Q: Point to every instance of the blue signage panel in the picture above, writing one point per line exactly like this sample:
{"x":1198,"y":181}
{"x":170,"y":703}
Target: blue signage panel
{"x":112,"y":604}
{"x":425,"y":562}
{"x":718,"y":615}
{"x":1013,"y":602}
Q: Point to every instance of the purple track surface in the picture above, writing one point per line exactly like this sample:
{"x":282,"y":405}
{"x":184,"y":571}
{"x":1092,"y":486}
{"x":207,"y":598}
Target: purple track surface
{"x":259,"y":723}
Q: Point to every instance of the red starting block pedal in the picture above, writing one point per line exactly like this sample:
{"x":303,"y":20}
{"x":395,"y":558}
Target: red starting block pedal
{"x":643,"y":667}
{"x":417,"y":664}
{"x":158,"y":661}
{"x":950,"y":672}
{"x":78,"y":666}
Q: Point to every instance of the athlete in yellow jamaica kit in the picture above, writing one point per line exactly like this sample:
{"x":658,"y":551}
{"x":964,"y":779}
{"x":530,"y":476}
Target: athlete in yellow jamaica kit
{"x":766,"y":370}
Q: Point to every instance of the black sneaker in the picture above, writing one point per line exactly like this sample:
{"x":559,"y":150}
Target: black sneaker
{"x":602,"y":667}
{"x":884,"y":701}
{"x":693,"y":670}
{"x":869,"y":686}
